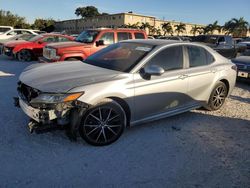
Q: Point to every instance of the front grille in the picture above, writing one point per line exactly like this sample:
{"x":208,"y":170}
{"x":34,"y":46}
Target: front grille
{"x":27,"y":93}
{"x":7,"y":51}
{"x":49,"y":53}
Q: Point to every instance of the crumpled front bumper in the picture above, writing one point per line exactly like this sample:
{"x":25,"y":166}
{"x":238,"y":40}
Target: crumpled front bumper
{"x":38,"y":115}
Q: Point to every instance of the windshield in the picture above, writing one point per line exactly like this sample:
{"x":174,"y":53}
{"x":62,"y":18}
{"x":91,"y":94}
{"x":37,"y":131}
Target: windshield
{"x":87,"y":36}
{"x":246,"y":39}
{"x":36,"y":38}
{"x":121,"y":57}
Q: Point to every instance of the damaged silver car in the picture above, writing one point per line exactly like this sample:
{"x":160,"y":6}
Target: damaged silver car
{"x":127,"y":83}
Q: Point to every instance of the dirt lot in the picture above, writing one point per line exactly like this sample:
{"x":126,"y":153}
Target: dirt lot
{"x":194,"y":149}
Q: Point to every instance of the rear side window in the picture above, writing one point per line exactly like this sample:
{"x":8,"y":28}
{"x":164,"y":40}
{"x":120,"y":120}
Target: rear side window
{"x":139,"y":36}
{"x":108,"y":38}
{"x":199,"y":56}
{"x":169,"y":59}
{"x":50,"y":39}
{"x":124,"y":36}
{"x":63,"y":39}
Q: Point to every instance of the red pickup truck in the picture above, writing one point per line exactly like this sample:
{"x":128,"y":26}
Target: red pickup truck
{"x":87,"y":43}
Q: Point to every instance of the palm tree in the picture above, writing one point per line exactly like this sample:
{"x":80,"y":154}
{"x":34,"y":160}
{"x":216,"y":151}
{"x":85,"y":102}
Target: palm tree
{"x":194,"y":30}
{"x":144,"y":25}
{"x":213,"y":27}
{"x":132,"y":26}
{"x":167,"y":28}
{"x":200,"y":30}
{"x":158,"y":32}
{"x":152,"y":30}
{"x":236,"y":27}
{"x":180,"y":28}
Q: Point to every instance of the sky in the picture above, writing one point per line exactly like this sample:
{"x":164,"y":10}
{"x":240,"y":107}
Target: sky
{"x":193,"y":11}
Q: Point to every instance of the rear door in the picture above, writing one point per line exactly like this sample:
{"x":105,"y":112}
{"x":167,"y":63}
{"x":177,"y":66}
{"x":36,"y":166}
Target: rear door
{"x":122,"y":35}
{"x":200,"y":72}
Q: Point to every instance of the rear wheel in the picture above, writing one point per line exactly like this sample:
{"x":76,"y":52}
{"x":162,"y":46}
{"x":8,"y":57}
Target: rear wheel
{"x":103,"y":124}
{"x":217,"y":97}
{"x":24,"y":55}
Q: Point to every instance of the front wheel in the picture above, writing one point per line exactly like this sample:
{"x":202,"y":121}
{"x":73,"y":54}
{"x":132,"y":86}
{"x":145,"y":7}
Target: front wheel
{"x":103,"y":124}
{"x":24,"y":55}
{"x":217,"y":97}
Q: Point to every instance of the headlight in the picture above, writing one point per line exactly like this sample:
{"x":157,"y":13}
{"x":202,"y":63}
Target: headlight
{"x":56,"y":98}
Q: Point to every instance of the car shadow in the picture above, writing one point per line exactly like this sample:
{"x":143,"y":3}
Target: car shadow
{"x":241,"y":99}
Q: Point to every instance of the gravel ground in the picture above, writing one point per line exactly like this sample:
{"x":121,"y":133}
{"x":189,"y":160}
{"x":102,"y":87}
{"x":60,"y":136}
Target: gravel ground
{"x":193,"y":149}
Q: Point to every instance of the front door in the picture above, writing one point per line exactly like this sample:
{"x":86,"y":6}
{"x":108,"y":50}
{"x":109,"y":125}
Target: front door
{"x":162,"y":93}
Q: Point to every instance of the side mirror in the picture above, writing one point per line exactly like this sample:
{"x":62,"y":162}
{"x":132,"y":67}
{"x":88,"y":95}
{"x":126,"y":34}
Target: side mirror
{"x":152,"y":70}
{"x":40,"y":42}
{"x":99,"y":43}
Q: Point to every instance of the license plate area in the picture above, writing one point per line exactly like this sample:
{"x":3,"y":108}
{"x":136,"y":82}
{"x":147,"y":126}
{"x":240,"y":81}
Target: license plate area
{"x":243,"y":74}
{"x":31,"y":112}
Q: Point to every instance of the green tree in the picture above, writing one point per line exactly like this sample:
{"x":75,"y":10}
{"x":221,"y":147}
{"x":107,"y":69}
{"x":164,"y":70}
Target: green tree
{"x":167,"y":28}
{"x":236,"y":27}
{"x":180,"y":28}
{"x":195,"y":29}
{"x":87,"y":12}
{"x":213,"y":27}
{"x":9,"y":19}
{"x":44,"y":24}
{"x":145,"y":25}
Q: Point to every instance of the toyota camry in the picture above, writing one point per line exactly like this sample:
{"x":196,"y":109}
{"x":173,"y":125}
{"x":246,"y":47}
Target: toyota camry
{"x":125,"y":84}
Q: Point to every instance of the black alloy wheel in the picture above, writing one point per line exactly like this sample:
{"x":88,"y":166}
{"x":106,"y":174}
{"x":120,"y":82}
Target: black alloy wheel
{"x":103,"y":124}
{"x":24,"y":55}
{"x":218,"y":96}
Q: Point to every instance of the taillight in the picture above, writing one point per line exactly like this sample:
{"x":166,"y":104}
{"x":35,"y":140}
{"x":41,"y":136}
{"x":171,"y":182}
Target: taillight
{"x":234,"y":67}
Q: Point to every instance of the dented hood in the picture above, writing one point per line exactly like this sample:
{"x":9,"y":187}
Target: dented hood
{"x":64,"y":76}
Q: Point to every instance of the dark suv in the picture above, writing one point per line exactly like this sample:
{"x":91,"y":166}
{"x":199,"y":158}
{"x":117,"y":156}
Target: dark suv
{"x":223,"y":44}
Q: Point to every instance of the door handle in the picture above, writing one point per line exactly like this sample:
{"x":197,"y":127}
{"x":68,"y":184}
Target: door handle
{"x":184,"y":76}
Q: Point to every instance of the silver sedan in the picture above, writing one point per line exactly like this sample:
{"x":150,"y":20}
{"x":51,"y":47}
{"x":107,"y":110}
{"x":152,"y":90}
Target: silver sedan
{"x":125,"y":84}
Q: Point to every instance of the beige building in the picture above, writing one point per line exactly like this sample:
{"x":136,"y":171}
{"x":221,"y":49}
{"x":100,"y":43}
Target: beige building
{"x":76,"y":26}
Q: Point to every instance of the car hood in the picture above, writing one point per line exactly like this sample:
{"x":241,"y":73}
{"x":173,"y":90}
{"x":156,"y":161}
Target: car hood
{"x":16,"y":42}
{"x":242,"y":60}
{"x":66,"y":44}
{"x":64,"y":76}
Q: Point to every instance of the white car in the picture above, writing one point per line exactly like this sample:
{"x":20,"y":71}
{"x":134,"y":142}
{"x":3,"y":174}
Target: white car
{"x":5,"y":28}
{"x":13,"y":32}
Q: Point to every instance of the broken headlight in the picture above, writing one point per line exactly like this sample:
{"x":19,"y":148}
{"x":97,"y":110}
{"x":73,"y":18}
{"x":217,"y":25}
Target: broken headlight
{"x":55,"y":98}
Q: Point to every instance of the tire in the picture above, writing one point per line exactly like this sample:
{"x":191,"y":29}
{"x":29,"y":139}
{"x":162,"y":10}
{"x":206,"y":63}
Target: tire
{"x":217,"y":97}
{"x":24,"y":55}
{"x":103,"y":123}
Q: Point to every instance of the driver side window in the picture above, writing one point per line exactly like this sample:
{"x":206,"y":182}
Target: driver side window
{"x":108,"y":38}
{"x":169,"y":59}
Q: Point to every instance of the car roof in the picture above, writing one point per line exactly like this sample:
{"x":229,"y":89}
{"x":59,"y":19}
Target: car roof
{"x":154,"y":42}
{"x":54,"y":34}
{"x":116,"y":29}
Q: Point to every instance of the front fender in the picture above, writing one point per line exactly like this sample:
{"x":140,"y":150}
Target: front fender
{"x":19,"y":48}
{"x":72,"y":55}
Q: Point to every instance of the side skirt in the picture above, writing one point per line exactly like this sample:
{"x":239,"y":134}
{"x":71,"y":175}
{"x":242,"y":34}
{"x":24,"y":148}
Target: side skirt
{"x":166,"y":114}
